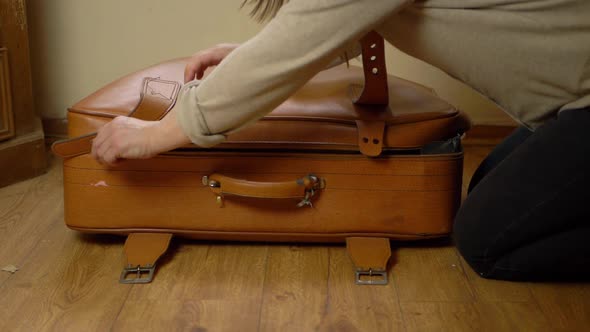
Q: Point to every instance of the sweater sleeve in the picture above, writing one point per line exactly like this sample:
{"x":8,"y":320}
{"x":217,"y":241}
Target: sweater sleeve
{"x":304,"y":38}
{"x":349,"y":53}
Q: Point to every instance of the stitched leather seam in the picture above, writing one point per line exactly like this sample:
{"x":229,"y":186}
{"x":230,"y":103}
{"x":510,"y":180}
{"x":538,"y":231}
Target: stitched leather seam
{"x":310,"y":234}
{"x":323,"y":190}
{"x":255,"y":173}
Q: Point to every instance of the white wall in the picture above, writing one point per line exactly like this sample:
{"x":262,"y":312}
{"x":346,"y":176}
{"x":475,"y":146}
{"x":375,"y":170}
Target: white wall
{"x":79,"y":45}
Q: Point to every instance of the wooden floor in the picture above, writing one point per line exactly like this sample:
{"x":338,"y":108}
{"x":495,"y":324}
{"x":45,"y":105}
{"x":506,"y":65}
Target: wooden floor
{"x":69,"y":282}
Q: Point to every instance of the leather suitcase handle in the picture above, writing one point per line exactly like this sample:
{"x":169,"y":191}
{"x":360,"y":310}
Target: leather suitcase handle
{"x":303,"y":188}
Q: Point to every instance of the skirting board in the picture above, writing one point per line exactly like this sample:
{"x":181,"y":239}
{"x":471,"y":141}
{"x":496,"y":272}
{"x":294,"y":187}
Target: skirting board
{"x":22,"y":158}
{"x":55,"y":128}
{"x":487,"y":134}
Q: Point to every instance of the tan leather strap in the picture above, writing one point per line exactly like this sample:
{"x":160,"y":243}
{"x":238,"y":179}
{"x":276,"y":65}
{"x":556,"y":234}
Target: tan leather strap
{"x":303,"y":188}
{"x":371,"y":134}
{"x":375,"y":91}
{"x":370,"y":256}
{"x":150,"y":108}
{"x":73,"y":147}
{"x":142,"y":250}
{"x":373,"y":96}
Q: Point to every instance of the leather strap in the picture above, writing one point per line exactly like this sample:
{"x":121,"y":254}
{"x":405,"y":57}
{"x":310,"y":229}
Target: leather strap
{"x":151,"y":107}
{"x":370,"y":256}
{"x":375,"y":91}
{"x":142,"y":250}
{"x":73,"y":147}
{"x":371,"y":134}
{"x":373,"y":96}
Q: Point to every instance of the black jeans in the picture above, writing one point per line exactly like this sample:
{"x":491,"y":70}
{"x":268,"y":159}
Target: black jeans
{"x":527,"y":215}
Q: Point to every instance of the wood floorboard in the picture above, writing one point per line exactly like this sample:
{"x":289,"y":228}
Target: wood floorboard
{"x":567,"y":305}
{"x":473,"y":316}
{"x":69,"y":282}
{"x":496,"y":290}
{"x":295,"y":290}
{"x":202,"y":286}
{"x":358,"y":308}
{"x":430,"y":274}
{"x":23,"y":216}
{"x":16,"y":189}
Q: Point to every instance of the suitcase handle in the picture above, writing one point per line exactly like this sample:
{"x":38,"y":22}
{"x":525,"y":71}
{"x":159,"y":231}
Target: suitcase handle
{"x":304,"y":188}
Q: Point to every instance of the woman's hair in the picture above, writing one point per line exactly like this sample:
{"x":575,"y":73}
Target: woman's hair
{"x":264,"y":10}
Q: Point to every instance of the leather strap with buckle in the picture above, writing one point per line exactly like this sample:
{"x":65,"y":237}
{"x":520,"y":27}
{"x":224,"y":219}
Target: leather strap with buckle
{"x":372,"y":97}
{"x":370,"y":256}
{"x":142,"y":250}
{"x":151,"y":107}
{"x":375,"y":91}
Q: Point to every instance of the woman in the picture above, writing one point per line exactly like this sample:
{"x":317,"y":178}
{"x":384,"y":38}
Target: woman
{"x":524,"y":218}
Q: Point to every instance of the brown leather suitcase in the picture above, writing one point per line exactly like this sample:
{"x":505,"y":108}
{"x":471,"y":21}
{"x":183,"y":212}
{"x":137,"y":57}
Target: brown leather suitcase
{"x":319,"y":168}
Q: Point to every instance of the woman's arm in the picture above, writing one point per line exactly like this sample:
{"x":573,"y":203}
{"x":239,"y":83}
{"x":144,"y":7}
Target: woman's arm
{"x":300,"y":41}
{"x":202,"y":60}
{"x":304,"y":38}
{"x":349,"y":53}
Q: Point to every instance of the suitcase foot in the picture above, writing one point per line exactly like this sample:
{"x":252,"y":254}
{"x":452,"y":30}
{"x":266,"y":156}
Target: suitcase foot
{"x":370,"y":257}
{"x":142,"y":250}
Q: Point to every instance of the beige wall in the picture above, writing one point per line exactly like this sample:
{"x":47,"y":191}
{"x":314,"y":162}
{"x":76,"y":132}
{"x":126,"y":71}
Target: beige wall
{"x":79,"y":45}
{"x":481,"y":110}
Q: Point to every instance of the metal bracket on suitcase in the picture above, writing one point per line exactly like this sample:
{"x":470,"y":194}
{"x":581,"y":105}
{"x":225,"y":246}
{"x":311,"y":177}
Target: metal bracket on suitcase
{"x":142,"y":250}
{"x":371,"y":273}
{"x":139,"y":270}
{"x":370,"y":256}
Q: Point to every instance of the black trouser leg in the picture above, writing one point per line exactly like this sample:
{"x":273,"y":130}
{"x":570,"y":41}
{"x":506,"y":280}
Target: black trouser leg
{"x":501,"y":151}
{"x":528,"y":219}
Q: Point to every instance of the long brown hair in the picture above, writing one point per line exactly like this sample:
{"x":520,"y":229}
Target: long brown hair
{"x":264,"y":10}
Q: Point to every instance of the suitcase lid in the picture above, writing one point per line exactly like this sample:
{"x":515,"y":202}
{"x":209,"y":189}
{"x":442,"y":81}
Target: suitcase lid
{"x":415,"y":115}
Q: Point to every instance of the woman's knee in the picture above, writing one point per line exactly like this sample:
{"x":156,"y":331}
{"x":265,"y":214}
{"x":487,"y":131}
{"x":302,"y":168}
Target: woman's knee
{"x":473,"y":235}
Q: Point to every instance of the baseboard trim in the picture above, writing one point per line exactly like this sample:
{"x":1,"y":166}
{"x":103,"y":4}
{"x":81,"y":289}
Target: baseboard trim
{"x":487,"y":134}
{"x":22,"y":158}
{"x":55,"y":128}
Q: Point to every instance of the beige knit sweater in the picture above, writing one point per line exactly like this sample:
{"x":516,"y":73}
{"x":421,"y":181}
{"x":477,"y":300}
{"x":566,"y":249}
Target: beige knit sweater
{"x":532,"y":57}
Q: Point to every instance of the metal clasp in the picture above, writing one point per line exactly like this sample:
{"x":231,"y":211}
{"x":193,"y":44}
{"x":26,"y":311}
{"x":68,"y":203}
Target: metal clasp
{"x":306,"y":201}
{"x":317,"y":183}
{"x":213,"y":184}
{"x":138,"y":270}
{"x":371,"y":273}
{"x":210,"y":183}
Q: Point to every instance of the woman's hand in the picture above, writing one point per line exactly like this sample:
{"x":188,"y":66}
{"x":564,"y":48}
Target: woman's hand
{"x":200,"y":61}
{"x":123,"y":137}
{"x":130,"y":138}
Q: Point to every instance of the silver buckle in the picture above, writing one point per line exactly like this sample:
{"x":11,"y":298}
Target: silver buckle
{"x":371,"y":273}
{"x":138,"y":270}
